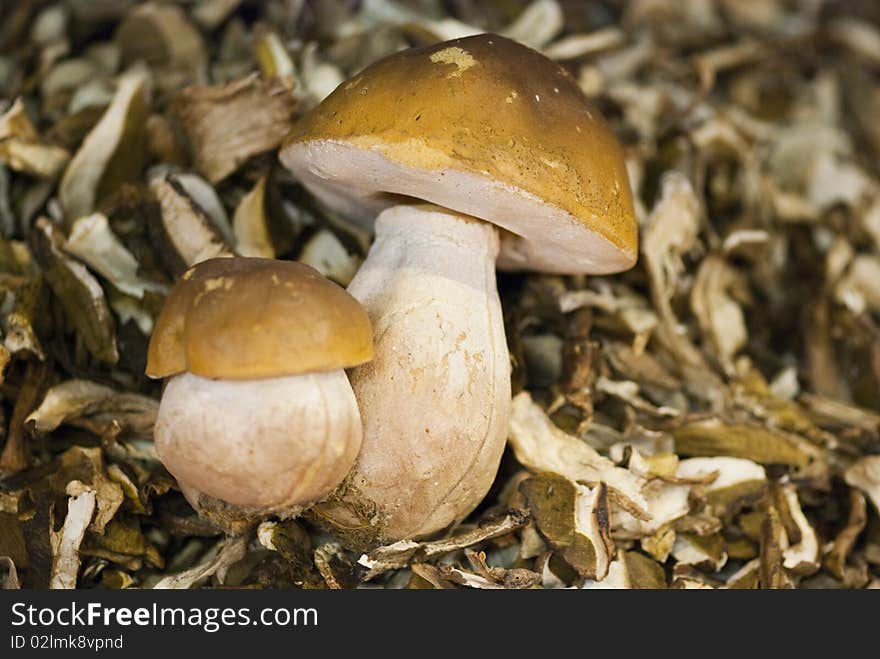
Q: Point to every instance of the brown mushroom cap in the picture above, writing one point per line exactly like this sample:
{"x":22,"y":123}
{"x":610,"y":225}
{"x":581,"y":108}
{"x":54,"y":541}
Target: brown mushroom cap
{"x":483,"y":126}
{"x":247,"y":318}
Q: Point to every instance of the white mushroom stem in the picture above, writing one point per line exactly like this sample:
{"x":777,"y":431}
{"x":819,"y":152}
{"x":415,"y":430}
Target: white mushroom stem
{"x":273,"y":444}
{"x":435,"y":398}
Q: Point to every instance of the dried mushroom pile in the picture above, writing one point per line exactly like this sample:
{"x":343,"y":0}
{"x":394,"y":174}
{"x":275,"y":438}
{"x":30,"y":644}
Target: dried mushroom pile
{"x":710,"y":419}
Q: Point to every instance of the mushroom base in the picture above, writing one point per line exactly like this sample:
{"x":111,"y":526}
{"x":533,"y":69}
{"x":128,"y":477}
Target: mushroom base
{"x":435,"y":398}
{"x":245,"y":449}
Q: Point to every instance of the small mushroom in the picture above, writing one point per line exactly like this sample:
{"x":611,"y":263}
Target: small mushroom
{"x":514,"y":163}
{"x":257,"y":416}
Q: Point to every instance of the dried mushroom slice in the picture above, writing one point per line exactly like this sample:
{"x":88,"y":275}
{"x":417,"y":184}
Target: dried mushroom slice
{"x":574,"y":520}
{"x":114,"y":152}
{"x":227,"y":124}
{"x":183,"y":233}
{"x":77,"y":290}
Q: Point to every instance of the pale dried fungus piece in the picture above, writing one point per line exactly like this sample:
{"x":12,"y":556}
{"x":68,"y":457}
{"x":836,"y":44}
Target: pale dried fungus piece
{"x":114,"y":152}
{"x":227,"y":124}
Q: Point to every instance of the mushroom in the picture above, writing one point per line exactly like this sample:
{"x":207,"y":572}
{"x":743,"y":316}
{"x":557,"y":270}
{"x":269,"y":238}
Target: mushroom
{"x":257,"y":416}
{"x":467,"y":151}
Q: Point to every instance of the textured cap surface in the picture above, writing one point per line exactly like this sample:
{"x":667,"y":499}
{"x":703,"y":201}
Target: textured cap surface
{"x":484,"y":126}
{"x":247,"y":318}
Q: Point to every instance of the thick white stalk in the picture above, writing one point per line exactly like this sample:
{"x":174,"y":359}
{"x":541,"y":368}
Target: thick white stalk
{"x":435,"y":399}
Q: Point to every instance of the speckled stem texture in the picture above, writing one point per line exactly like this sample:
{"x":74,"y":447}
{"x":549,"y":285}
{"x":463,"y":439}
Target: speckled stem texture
{"x":435,"y":399}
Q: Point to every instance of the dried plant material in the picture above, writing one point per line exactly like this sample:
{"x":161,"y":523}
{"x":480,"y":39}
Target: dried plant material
{"x":541,"y":446}
{"x":618,"y":578}
{"x":860,"y":288}
{"x":22,"y":148}
{"x":211,"y":13}
{"x":113,"y":152}
{"x":800,"y":557}
{"x":733,"y":482}
{"x":644,"y":573}
{"x":334,"y":566}
{"x":400,"y":553}
{"x":250,"y":224}
{"x":95,"y":407}
{"x":713,"y":300}
{"x":161,"y":36}
{"x":319,"y":77}
{"x":205,"y":196}
{"x":326,"y":254}
{"x":861,"y":37}
{"x":16,"y":456}
{"x":513,"y":579}
{"x":10,"y":581}
{"x":838,"y":414}
{"x":24,"y":304}
{"x":835,"y":559}
{"x":91,"y":475}
{"x":574,"y":520}
{"x":864,"y":474}
{"x":671,"y":231}
{"x":186,"y":235}
{"x":227,"y":124}
{"x":79,"y":292}
{"x":575,"y":46}
{"x":751,"y":442}
{"x":723,"y":394}
{"x":706,"y":552}
{"x":537,"y":25}
{"x":227,"y":553}
{"x":93,"y":242}
{"x":65,"y":543}
{"x":273,"y":58}
{"x":446,"y":577}
{"x":773,"y":541}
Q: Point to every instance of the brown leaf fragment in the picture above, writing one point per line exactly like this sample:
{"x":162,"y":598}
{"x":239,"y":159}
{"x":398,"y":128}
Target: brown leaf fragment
{"x":79,"y":293}
{"x":227,"y":124}
{"x":835,"y":559}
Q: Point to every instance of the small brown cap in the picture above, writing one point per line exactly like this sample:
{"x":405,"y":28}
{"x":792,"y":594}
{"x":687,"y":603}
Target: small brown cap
{"x":486,"y":127}
{"x":246,"y":318}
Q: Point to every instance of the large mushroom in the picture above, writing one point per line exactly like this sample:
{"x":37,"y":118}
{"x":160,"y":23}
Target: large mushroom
{"x":514,"y":163}
{"x":257,"y":416}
